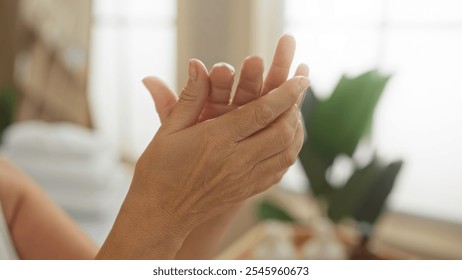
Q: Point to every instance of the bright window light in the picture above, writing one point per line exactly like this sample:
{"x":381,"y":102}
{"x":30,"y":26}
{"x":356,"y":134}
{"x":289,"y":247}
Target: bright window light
{"x":130,"y":40}
{"x":419,"y":117}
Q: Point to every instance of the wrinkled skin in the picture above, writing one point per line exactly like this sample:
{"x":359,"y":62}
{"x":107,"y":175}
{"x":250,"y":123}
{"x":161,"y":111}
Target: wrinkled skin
{"x":210,"y":154}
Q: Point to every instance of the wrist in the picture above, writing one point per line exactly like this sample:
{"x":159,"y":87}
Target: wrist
{"x":140,"y":234}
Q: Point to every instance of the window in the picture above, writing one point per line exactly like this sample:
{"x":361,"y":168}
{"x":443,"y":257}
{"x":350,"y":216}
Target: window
{"x":419,"y":117}
{"x":130,"y":40}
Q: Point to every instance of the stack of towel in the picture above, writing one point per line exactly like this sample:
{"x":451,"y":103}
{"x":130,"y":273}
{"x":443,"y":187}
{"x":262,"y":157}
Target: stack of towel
{"x":74,"y":167}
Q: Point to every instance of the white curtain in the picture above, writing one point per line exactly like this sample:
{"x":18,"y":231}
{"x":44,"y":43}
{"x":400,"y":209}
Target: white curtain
{"x":130,"y":40}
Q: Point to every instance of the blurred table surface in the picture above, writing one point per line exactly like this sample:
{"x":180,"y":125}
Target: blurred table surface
{"x":396,"y":235}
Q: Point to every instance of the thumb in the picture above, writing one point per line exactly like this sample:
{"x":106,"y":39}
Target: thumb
{"x":192,"y":98}
{"x":164,"y":98}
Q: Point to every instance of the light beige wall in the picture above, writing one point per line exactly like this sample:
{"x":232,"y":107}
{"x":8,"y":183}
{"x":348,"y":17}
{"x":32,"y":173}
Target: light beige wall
{"x":226,"y":31}
{"x":51,"y":69}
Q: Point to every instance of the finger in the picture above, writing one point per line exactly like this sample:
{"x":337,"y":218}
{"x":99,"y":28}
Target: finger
{"x":272,"y":140}
{"x":302,"y":70}
{"x":282,"y":160}
{"x":252,"y":117}
{"x":250,"y":81}
{"x":221,"y":83}
{"x":164,"y":98}
{"x":280,"y":67}
{"x":192,"y":98}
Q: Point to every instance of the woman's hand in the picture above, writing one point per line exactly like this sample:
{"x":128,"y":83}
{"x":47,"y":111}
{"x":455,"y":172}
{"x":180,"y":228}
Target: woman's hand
{"x":221,"y":78}
{"x":191,"y":172}
{"x":194,"y":172}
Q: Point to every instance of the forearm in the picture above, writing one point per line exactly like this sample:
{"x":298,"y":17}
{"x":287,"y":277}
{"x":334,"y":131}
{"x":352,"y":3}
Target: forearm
{"x":139,"y":233}
{"x":204,"y":241}
{"x":39,"y":229}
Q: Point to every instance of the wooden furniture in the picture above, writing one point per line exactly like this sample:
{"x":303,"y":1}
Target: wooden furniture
{"x":396,"y":235}
{"x":245,"y":246}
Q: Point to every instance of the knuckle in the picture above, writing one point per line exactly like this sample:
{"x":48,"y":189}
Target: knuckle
{"x":187,"y":94}
{"x":294,"y":94}
{"x":272,"y":85}
{"x":263,"y":114}
{"x":293,"y":154}
{"x":243,"y":192}
{"x":252,"y":87}
{"x":288,"y":159}
{"x":221,"y":86}
{"x":245,"y":93}
{"x":277,"y":178}
{"x":286,"y":135}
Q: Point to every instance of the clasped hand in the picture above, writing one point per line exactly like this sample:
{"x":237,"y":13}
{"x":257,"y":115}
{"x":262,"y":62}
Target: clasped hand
{"x":213,"y":151}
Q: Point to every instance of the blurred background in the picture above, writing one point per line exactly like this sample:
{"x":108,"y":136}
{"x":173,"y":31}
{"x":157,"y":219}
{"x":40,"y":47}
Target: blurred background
{"x":75,"y":115}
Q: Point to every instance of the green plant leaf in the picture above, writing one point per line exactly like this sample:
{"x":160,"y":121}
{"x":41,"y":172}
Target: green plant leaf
{"x":335,"y":126}
{"x":314,"y":163}
{"x":372,"y":204}
{"x":268,"y":210}
{"x":315,"y":166}
{"x":343,"y":202}
{"x":308,"y":107}
{"x":340,"y":121}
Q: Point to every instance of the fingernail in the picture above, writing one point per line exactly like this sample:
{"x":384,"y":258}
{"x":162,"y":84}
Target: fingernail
{"x":303,"y":83}
{"x":147,"y":80}
{"x":290,"y":34}
{"x":229,"y":66}
{"x":192,"y":70}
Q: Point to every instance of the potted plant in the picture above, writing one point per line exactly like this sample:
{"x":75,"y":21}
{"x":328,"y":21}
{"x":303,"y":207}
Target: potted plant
{"x":335,"y":127}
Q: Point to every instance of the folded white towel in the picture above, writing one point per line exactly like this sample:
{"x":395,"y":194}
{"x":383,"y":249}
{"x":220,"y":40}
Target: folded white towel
{"x":89,"y":174}
{"x":64,"y":139}
{"x":74,"y":166}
